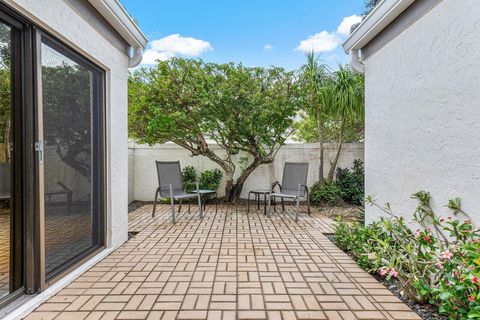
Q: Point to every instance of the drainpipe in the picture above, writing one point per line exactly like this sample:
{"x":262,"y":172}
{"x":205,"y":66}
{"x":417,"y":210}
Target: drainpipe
{"x":355,"y":63}
{"x":136,"y":54}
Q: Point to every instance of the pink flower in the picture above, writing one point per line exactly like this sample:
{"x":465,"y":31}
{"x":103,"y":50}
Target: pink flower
{"x":371,"y":256}
{"x":471,"y":298}
{"x":438,"y":265}
{"x":383,"y":272}
{"x":475,"y":279}
{"x":447,"y":255}
{"x":472,"y":267}
{"x":394,"y":273}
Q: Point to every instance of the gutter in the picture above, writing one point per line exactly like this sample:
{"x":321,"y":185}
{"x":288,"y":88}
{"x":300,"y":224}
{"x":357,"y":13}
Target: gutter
{"x":380,"y":17}
{"x":120,"y":20}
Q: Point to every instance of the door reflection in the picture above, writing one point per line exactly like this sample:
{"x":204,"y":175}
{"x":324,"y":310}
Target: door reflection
{"x":5,"y":157}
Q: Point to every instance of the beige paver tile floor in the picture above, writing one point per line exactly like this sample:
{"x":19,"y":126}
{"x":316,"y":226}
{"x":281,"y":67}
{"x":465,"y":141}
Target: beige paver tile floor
{"x":229,"y":265}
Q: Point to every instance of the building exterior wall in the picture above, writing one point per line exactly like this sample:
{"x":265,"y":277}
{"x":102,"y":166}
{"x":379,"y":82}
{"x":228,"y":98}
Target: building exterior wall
{"x":145,"y":180}
{"x":64,"y":21}
{"x":422,"y":112}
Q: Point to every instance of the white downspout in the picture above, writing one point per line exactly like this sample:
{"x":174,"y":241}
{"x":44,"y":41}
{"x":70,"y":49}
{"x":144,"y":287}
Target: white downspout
{"x":355,"y":63}
{"x":135,"y":57}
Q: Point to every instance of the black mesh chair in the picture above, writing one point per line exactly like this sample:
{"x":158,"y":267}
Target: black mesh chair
{"x":4,"y":182}
{"x":294,"y":186}
{"x":171,"y":187}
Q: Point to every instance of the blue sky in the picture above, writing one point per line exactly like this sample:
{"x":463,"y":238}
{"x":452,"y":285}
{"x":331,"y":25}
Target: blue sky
{"x":254,"y":32}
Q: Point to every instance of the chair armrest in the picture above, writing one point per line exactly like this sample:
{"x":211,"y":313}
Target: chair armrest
{"x":276,"y":183}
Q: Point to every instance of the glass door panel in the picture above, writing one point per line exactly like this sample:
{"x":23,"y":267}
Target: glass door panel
{"x":71,"y":196}
{"x":5,"y":156}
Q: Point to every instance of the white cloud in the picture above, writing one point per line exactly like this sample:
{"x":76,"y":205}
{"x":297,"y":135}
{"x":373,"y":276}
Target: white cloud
{"x":320,"y":42}
{"x":347,"y":23}
{"x":151,"y":56}
{"x":173,"y":45}
{"x":268,"y":47}
{"x":177,"y":44}
{"x":325,"y":41}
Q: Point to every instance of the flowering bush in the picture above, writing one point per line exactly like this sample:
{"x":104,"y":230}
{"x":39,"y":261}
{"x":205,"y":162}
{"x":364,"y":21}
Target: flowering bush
{"x":437,"y":264}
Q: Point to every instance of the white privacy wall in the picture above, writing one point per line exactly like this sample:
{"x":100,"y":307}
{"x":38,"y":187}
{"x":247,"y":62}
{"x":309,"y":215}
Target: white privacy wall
{"x":142,"y":165}
{"x":60,"y":18}
{"x":423,"y":112}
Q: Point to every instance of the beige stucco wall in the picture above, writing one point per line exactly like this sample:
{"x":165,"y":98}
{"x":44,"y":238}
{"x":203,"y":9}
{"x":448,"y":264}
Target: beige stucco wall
{"x":142,"y":165}
{"x":422,"y":112}
{"x":61,"y":19}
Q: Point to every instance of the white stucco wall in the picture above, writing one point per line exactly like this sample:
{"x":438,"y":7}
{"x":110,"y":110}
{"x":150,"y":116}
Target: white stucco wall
{"x":60,"y":18}
{"x":145,"y":180}
{"x":422,"y":112}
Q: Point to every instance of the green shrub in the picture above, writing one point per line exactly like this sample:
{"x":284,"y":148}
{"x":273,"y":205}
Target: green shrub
{"x":439,"y":265}
{"x":189,"y":175}
{"x":329,"y":193}
{"x":210,"y":179}
{"x":352,"y":183}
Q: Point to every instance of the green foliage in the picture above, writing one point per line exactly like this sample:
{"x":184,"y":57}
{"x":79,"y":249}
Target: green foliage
{"x":189,"y":102}
{"x":352,"y":183}
{"x":209,"y":179}
{"x":370,"y":5}
{"x":5,"y":87}
{"x":189,"y":175}
{"x":328,"y":193}
{"x":430,"y":268}
{"x":347,"y":188}
{"x":306,"y":130}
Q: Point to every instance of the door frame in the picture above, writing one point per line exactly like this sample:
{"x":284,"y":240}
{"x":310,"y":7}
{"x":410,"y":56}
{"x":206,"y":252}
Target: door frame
{"x":22,"y":241}
{"x":29,"y":172}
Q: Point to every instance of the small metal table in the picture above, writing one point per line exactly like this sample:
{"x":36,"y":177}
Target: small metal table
{"x":204,"y":193}
{"x":258,"y":193}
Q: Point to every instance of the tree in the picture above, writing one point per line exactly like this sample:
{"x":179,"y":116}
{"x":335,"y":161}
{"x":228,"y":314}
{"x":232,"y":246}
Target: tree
{"x":5,"y":89}
{"x":67,"y":114}
{"x":344,"y":97}
{"x":246,"y":111}
{"x":313,"y":76}
{"x":370,"y":5}
{"x":306,"y":130}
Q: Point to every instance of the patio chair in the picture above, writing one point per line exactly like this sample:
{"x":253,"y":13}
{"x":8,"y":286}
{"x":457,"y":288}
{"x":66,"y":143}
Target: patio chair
{"x":5,"y":182}
{"x":171,"y":187}
{"x":294,"y":186}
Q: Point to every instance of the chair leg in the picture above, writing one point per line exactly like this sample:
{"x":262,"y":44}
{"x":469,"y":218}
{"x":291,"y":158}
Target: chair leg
{"x":248,"y":202}
{"x":257,"y":196}
{"x":200,"y":208}
{"x":188,"y":206}
{"x":298,"y":209}
{"x":180,"y":207}
{"x":269,"y":205}
{"x":216,"y":203}
{"x":155,"y":203}
{"x":308,"y":203}
{"x":283,"y":205}
{"x":172,"y":203}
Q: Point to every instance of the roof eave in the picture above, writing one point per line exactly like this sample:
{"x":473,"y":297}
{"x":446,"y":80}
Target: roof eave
{"x":121,"y":21}
{"x":380,"y":17}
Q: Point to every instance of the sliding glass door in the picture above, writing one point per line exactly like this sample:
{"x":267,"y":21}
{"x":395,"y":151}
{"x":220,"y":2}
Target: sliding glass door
{"x":72,"y":105}
{"x":11,"y":215}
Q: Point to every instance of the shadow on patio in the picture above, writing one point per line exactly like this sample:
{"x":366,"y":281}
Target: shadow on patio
{"x":229,"y":265}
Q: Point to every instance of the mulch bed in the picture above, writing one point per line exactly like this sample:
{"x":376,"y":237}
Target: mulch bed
{"x":425,"y":311}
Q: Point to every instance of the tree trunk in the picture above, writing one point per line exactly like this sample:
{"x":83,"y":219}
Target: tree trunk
{"x":321,"y":177}
{"x":237,"y":188}
{"x":229,"y":186}
{"x":333,"y":166}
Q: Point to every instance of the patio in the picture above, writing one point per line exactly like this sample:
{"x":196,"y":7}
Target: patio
{"x":229,"y":265}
